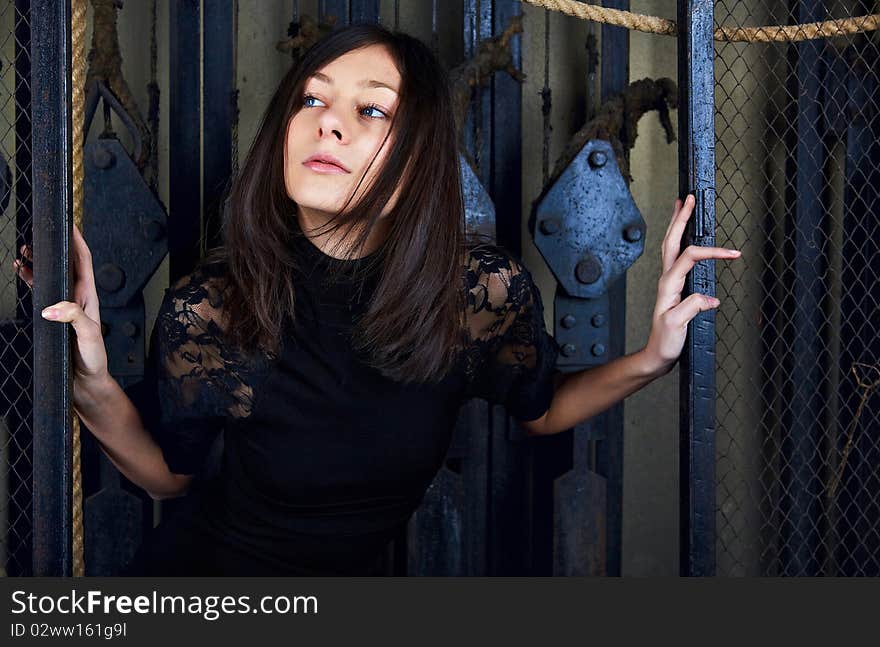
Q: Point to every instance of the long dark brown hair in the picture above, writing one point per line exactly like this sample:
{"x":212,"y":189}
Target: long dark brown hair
{"x":412,"y":327}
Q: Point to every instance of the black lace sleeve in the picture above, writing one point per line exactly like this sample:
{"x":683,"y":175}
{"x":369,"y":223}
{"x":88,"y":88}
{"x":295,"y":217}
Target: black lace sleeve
{"x":511,"y":359}
{"x":192,"y":381}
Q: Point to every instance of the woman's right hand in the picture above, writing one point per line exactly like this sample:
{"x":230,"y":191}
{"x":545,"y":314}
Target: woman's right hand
{"x":90,"y":355}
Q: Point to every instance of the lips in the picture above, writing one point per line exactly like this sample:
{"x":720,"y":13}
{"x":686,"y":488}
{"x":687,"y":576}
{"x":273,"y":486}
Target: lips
{"x":323,"y":163}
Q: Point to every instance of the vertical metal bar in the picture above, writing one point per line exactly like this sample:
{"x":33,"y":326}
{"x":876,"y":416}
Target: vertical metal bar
{"x":219,"y":103}
{"x":609,"y":450}
{"x":615,"y":41}
{"x":502,"y":155}
{"x":52,"y":205}
{"x":697,"y":365}
{"x":546,"y":104}
{"x":506,"y":142}
{"x":184,"y":126}
{"x":338,"y":8}
{"x":364,"y":11}
{"x":435,"y":36}
{"x":478,"y":124}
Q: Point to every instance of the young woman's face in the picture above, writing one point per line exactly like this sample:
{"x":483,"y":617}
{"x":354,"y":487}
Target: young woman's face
{"x":345,"y":117}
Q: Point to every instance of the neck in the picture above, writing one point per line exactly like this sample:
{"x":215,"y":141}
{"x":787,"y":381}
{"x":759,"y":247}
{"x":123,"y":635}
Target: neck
{"x":335,"y":240}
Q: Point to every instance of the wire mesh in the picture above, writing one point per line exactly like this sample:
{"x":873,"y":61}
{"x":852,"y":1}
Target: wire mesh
{"x":16,"y":345}
{"x":797,"y":129}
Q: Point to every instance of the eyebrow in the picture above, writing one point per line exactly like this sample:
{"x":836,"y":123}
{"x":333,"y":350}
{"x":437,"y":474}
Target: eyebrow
{"x":366,"y":83}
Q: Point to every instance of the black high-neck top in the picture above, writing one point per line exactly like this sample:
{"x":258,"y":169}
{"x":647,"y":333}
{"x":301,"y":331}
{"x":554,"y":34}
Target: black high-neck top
{"x":324,"y":459}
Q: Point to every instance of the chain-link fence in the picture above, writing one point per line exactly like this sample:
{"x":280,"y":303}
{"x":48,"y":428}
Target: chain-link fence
{"x":798,"y":347}
{"x":16,"y":339}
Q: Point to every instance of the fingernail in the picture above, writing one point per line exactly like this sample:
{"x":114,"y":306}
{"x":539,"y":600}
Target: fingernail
{"x":734,"y":251}
{"x":49,"y":313}
{"x":715,"y":301}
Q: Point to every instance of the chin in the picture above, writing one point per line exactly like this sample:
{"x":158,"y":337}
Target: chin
{"x":317,"y":200}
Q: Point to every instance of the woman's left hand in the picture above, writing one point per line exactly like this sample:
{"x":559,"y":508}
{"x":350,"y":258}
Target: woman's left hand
{"x":671,"y":314}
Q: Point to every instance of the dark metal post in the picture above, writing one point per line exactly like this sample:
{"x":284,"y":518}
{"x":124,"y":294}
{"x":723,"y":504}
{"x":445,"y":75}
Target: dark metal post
{"x":184,"y":127}
{"x":52,"y":212}
{"x":609,"y":449}
{"x":220,"y":105}
{"x":364,"y":11}
{"x":696,"y":159}
{"x":350,"y":11}
{"x":338,"y":8}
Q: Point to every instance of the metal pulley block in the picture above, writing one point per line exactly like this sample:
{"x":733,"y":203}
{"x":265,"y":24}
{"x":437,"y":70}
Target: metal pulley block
{"x":124,"y":224}
{"x":587,"y":226}
{"x":589,"y":231}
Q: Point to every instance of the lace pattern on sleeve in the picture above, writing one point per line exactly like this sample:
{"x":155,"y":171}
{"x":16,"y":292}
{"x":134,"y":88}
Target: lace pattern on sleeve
{"x":200,"y":380}
{"x":510,"y":357}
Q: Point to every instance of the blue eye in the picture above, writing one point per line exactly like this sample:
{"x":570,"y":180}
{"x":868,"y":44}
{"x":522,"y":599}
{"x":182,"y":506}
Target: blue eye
{"x":377,"y":112}
{"x":381,"y":114}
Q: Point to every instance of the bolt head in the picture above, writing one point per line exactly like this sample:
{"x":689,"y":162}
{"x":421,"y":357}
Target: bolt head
{"x":129,"y":329}
{"x":597,"y":159}
{"x":633,"y":233}
{"x":549,"y":226}
{"x":103,"y":158}
{"x":588,"y":270}
{"x":110,"y":277}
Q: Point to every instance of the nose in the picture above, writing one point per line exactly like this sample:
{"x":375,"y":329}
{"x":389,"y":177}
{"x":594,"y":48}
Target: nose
{"x":330,"y":123}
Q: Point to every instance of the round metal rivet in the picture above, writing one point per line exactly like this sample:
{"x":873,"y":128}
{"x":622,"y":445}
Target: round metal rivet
{"x":549,"y":226}
{"x":110,"y":277}
{"x":597,"y":159}
{"x":588,"y":270}
{"x":103,"y":158}
{"x":633,"y":233}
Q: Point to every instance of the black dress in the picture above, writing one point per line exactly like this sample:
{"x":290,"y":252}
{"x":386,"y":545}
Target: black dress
{"x":324,"y":459}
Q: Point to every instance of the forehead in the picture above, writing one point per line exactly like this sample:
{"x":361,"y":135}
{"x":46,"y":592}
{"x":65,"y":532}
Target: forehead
{"x":371,"y":62}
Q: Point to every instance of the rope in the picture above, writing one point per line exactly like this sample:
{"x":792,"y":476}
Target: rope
{"x":78,"y":73}
{"x":662,"y":26}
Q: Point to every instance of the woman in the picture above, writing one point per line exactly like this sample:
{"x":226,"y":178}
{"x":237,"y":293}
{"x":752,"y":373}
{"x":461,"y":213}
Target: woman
{"x":334,"y":335}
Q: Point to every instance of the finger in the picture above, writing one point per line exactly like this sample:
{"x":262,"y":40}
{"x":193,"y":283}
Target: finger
{"x":696,"y":303}
{"x":672,"y":240}
{"x":24,"y":272}
{"x":675,"y":209}
{"x":66,"y":311}
{"x":83,"y":255}
{"x":27,"y":252}
{"x":692,"y":255}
